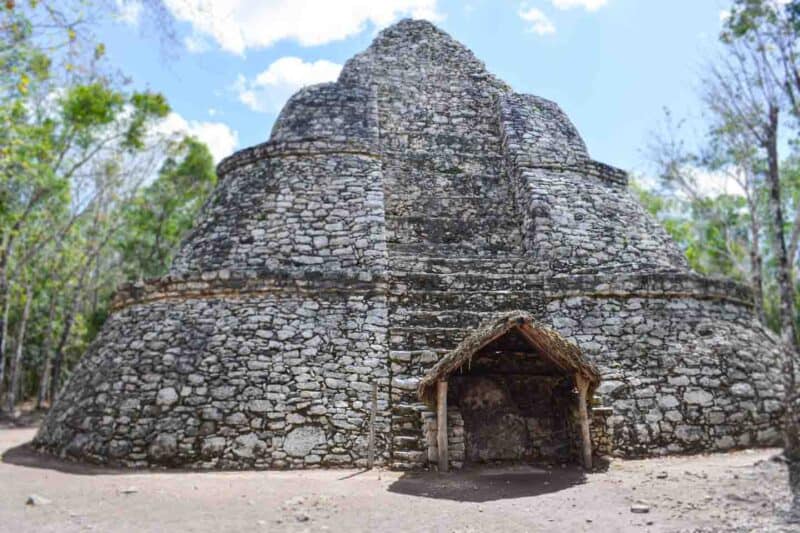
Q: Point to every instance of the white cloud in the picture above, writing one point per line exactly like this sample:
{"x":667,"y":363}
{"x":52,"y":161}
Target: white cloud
{"x":588,"y":5}
{"x":196,"y":43}
{"x":539,"y":22}
{"x":238,"y":25}
{"x":712,"y":184}
{"x":219,"y":137}
{"x":272,"y":87}
{"x":705,"y":183}
{"x":129,"y":11}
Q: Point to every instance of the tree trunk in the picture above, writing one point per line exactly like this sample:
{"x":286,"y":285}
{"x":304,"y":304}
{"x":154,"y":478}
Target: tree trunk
{"x":16,"y":363}
{"x":6,"y":304}
{"x":43,"y":396}
{"x":4,"y":308}
{"x":47,"y":349}
{"x":756,"y":259}
{"x":787,"y":307}
{"x":69,"y":320}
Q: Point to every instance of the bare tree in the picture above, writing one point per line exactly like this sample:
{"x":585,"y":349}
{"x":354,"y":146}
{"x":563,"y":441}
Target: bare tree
{"x":731,"y":158}
{"x":750,"y":88}
{"x":16,"y":362}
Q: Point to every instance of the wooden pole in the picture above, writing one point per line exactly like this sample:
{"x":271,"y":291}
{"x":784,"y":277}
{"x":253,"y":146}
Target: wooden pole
{"x":373,"y":410}
{"x":441,"y":423}
{"x":583,"y":416}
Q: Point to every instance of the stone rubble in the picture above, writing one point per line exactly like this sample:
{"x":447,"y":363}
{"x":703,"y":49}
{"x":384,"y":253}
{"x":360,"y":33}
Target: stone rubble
{"x":36,"y":500}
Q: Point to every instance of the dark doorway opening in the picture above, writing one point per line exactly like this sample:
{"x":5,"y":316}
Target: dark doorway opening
{"x":522,"y":390}
{"x":517,"y":406}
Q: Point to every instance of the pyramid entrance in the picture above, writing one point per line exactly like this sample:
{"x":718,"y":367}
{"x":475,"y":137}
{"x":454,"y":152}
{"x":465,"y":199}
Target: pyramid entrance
{"x":517,"y":406}
{"x":521,"y":392}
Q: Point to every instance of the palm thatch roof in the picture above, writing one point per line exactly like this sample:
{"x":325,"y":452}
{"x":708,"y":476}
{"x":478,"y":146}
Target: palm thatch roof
{"x":547,"y":343}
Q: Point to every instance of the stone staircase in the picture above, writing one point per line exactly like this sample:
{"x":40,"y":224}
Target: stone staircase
{"x":434,"y":303}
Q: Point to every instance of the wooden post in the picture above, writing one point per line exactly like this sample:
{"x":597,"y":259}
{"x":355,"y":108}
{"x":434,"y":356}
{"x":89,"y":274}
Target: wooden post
{"x":373,"y":410}
{"x":441,"y":424}
{"x":583,"y":416}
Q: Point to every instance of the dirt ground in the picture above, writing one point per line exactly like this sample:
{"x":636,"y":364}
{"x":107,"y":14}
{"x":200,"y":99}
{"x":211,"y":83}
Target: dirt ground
{"x":740,"y":491}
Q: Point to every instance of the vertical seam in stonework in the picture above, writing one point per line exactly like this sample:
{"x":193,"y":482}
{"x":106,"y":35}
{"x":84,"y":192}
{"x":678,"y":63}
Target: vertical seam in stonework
{"x":510,"y":171}
{"x":387,"y":270}
{"x":514,"y":178}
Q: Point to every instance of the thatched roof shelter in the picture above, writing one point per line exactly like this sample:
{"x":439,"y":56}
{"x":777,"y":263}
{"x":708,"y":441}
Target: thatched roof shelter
{"x":547,"y":344}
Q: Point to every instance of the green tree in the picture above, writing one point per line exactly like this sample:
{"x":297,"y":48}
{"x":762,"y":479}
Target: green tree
{"x":762,"y":37}
{"x":76,"y":144}
{"x":157,"y":219}
{"x":752,"y":102}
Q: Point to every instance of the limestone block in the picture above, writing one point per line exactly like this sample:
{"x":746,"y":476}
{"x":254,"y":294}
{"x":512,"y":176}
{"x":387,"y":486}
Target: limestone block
{"x":300,"y":441}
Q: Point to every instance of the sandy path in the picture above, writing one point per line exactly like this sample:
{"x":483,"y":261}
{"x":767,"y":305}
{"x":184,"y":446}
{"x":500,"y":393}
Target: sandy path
{"x":740,"y":491}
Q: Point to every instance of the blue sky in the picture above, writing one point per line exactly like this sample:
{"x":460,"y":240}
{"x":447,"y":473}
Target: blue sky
{"x":612,"y":65}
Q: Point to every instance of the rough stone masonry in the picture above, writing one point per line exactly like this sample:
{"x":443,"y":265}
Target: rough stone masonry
{"x":390,"y":214}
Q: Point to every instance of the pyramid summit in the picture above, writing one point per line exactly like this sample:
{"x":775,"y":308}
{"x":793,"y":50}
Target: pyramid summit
{"x":415,"y":232}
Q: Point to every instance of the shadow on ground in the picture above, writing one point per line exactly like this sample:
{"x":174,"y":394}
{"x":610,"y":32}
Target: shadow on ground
{"x":477,"y":484}
{"x":489,"y":483}
{"x":25,"y":455}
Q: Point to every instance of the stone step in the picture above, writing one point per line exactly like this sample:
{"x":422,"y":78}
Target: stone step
{"x":399,"y":206}
{"x":449,"y":318}
{"x":401,"y":283}
{"x":402,"y":466}
{"x":420,"y":338}
{"x":411,"y":456}
{"x":415,"y":260}
{"x":416,"y":357}
{"x":453,"y":233}
{"x":405,"y":427}
{"x":405,"y":443}
{"x":482,"y":301}
{"x":409,"y":408}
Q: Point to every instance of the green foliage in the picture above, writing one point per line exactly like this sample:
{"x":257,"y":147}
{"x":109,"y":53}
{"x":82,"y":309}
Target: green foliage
{"x":88,"y":106}
{"x":75,"y":146}
{"x":712,"y":231}
{"x":157,"y":219}
{"x":747,"y":15}
{"x":146,"y":106}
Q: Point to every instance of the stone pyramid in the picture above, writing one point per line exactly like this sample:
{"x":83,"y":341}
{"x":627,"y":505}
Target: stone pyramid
{"x":389,"y":215}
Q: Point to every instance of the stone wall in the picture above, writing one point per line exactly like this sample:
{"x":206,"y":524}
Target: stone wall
{"x":455,"y":438}
{"x":445,"y":188}
{"x":685,"y":365}
{"x":578,"y":215}
{"x":332,"y":112}
{"x":680,"y":374}
{"x":276,"y":376}
{"x":292,"y":210}
{"x":536,"y":133}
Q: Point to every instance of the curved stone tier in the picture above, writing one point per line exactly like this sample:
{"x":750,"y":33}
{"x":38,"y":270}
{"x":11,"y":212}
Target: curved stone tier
{"x":226,"y":283}
{"x":681,"y":373}
{"x":271,"y":370}
{"x":268,"y":381}
{"x":389,"y":215}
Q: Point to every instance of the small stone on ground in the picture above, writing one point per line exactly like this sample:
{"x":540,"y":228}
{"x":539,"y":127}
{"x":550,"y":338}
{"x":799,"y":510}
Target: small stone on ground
{"x":35,"y":499}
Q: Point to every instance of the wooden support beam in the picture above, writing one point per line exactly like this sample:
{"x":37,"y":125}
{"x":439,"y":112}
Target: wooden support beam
{"x":373,"y":410}
{"x":441,"y":424}
{"x":583,"y":416}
